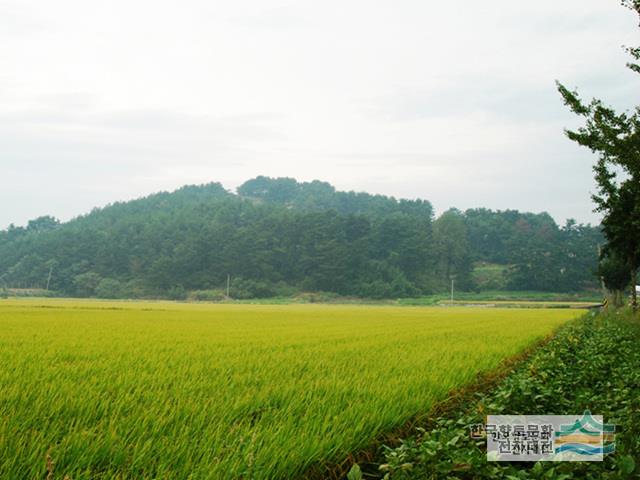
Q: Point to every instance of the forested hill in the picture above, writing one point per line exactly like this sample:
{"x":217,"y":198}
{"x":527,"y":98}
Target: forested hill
{"x":279,"y":237}
{"x":321,"y":196}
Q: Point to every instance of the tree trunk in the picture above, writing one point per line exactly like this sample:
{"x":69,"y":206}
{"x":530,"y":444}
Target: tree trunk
{"x":634,"y":294}
{"x":618,"y":298}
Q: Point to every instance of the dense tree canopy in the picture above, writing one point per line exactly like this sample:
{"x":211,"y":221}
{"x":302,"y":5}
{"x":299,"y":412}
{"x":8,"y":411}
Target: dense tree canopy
{"x":615,"y":137}
{"x":278,"y":236}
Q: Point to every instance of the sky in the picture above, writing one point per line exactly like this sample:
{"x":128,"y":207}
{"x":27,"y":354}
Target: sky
{"x":453,"y":102}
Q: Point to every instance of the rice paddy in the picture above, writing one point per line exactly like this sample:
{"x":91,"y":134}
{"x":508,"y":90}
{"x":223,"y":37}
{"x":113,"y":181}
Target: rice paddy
{"x":165,"y":390}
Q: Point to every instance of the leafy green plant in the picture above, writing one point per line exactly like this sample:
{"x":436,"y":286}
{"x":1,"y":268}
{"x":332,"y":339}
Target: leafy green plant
{"x":593,"y":363}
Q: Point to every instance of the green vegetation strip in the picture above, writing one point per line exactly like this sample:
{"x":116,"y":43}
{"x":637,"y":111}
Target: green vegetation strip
{"x":144,"y":390}
{"x":593,"y":363}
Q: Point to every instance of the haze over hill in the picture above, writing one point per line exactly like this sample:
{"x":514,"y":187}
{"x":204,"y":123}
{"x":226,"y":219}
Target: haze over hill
{"x":279,"y":237}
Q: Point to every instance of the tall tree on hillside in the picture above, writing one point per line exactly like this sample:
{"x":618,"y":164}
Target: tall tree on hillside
{"x":451,"y":241}
{"x":615,"y":137}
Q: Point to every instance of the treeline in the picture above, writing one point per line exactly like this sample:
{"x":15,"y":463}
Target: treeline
{"x":279,"y":237}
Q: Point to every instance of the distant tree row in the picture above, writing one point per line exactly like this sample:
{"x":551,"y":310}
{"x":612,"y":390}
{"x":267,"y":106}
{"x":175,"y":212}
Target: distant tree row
{"x":279,"y":236}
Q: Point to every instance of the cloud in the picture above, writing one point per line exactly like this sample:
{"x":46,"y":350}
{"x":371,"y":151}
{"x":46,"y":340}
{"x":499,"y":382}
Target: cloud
{"x":452,"y":102}
{"x":492,"y":97}
{"x":17,"y":20}
{"x":155,"y":133}
{"x":282,"y":18}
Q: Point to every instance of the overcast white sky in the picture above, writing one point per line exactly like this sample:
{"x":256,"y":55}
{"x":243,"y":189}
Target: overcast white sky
{"x":453,"y":102}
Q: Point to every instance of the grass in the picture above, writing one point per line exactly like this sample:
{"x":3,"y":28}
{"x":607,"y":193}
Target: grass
{"x":484,"y":296}
{"x":167,"y":390}
{"x":499,"y":296}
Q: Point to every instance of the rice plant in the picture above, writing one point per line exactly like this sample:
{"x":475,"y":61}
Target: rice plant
{"x":164,"y":390}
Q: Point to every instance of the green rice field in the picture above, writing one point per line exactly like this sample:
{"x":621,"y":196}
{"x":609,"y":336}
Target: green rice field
{"x":94,"y":389}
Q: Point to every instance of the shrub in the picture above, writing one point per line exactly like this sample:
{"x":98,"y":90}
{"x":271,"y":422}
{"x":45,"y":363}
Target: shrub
{"x":86,"y":283}
{"x":246,"y":288}
{"x":110,"y":288}
{"x":177,"y":292}
{"x":207,"y":295}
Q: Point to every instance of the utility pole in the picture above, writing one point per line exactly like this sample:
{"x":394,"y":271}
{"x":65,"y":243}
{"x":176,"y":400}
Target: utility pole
{"x":228,"y":284}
